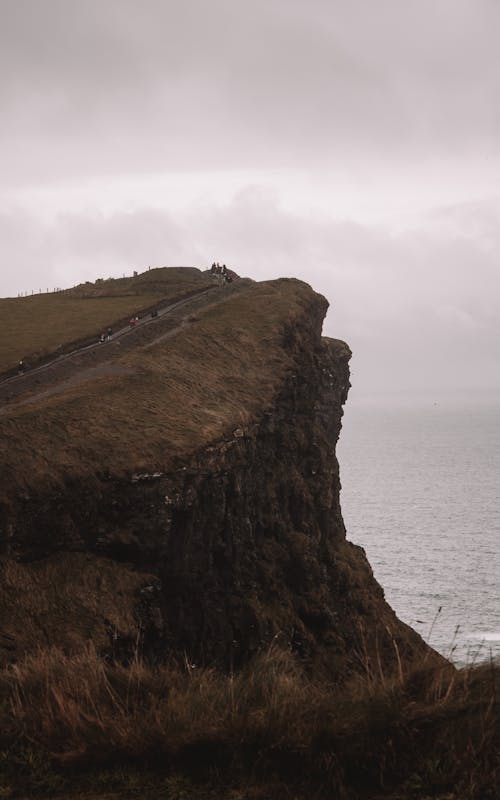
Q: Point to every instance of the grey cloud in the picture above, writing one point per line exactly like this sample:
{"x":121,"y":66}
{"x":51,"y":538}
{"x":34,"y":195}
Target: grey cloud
{"x":419,"y":309}
{"x":129,"y":86}
{"x":90,"y":89}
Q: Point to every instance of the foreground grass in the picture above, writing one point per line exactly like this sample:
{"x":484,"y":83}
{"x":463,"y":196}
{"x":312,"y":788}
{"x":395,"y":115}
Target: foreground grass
{"x":80,"y":724}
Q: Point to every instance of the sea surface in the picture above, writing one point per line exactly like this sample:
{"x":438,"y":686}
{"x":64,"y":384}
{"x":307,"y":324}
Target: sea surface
{"x":421,"y":493}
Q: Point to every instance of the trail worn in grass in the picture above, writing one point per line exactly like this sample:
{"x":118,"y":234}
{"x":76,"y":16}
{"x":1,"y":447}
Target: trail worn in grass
{"x":36,"y":325}
{"x":172,"y":397}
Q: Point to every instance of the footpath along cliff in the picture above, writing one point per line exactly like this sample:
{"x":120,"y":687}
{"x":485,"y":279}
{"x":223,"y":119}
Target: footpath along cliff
{"x":179,"y":494}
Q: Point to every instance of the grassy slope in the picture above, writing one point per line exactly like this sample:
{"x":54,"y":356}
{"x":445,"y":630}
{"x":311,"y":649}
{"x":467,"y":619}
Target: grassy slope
{"x":41,"y":323}
{"x":175,"y":397}
{"x":66,"y":600}
{"x":266,"y":732}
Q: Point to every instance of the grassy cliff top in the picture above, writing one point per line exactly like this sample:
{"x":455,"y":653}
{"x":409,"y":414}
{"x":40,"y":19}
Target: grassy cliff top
{"x":161,"y":398}
{"x":41,"y":323}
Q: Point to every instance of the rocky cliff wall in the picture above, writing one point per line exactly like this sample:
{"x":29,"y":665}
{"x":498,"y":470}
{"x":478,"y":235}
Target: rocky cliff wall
{"x":235,"y":545}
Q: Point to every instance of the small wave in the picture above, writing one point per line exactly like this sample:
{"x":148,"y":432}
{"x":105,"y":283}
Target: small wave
{"x":486,"y":636}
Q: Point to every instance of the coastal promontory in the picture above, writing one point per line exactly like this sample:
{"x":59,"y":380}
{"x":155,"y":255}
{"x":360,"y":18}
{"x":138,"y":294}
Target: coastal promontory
{"x":175,"y":488}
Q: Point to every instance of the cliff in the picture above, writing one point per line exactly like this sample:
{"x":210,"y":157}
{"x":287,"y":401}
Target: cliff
{"x":180,"y":493}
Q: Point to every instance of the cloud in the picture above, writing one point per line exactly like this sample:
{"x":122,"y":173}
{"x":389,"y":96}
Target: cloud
{"x":384,"y":110}
{"x":418,"y":308}
{"x":90,"y":88}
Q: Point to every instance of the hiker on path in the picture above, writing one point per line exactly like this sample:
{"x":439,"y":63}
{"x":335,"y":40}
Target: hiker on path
{"x":109,"y":334}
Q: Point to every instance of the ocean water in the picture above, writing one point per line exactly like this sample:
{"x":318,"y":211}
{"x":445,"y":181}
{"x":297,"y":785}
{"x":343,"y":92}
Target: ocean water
{"x":421,"y":494}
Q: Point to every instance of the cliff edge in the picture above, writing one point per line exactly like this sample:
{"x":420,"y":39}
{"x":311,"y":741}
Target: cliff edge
{"x":178,"y":492}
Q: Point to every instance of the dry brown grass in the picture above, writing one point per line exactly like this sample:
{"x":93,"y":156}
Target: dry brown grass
{"x":430,"y":732}
{"x":67,"y":600}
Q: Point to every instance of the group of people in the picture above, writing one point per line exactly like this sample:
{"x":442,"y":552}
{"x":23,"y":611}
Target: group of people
{"x":106,"y":336}
{"x":221,"y":272}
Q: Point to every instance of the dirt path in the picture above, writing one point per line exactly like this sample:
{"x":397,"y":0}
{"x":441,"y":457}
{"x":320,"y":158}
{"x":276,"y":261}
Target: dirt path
{"x":124,"y":331}
{"x":90,"y":361}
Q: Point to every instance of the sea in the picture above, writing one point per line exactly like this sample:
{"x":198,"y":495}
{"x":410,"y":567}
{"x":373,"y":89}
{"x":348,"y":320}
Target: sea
{"x":421,"y":493}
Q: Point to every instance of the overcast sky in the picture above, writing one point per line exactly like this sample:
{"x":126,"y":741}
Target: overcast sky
{"x":352,"y":143}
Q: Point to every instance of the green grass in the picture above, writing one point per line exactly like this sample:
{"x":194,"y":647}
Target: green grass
{"x":40,"y":324}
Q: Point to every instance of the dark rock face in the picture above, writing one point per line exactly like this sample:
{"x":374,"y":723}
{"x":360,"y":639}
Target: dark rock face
{"x":245,"y":539}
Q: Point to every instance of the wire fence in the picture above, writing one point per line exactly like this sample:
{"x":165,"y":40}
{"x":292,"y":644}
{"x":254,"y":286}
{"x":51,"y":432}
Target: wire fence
{"x":71,"y":289}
